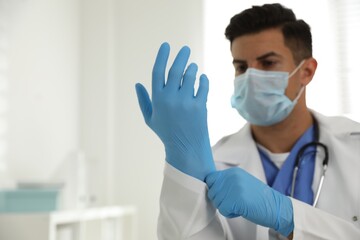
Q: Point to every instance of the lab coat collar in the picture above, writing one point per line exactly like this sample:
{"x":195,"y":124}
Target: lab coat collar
{"x":239,"y":149}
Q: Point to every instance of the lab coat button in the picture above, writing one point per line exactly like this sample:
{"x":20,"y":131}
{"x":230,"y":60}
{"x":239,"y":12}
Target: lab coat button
{"x":355,"y":218}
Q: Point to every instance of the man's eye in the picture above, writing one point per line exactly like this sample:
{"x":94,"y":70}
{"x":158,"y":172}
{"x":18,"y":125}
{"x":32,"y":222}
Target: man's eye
{"x":268,"y":63}
{"x":241,"y":68}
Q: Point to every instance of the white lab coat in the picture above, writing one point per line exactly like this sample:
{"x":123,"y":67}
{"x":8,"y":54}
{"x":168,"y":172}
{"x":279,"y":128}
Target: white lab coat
{"x":186,"y":213}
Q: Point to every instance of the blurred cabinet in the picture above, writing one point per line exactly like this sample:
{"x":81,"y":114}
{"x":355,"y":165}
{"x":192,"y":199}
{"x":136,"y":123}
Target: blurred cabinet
{"x":106,"y":223}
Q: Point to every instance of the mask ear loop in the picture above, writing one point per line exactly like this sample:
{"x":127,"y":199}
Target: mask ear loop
{"x":303,"y":87}
{"x":299,"y":94}
{"x":297,"y":68}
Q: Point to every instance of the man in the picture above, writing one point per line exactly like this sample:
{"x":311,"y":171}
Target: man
{"x":263,"y":181}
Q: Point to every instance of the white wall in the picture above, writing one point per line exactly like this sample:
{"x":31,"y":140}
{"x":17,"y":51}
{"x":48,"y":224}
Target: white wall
{"x":73,"y":67}
{"x":139,"y":156}
{"x":118,"y":46}
{"x":43,"y":86}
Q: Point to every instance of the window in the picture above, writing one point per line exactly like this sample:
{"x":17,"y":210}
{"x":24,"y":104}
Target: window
{"x":346,"y":15}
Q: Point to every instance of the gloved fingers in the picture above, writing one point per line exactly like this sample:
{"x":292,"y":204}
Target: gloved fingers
{"x":215,"y":183}
{"x":158,"y":73}
{"x":220,"y":196}
{"x":189,"y":79}
{"x":230,"y":205}
{"x":177,"y":69}
{"x":203,"y":88}
{"x":224,"y":212}
{"x":217,"y":178}
{"x":144,"y":101}
{"x":210,"y":179}
{"x":211,"y":194}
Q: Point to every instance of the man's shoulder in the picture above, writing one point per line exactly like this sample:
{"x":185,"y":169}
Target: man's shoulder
{"x":337,"y":124}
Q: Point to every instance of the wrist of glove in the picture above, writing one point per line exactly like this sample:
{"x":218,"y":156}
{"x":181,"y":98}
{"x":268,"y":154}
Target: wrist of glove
{"x":194,"y":160}
{"x":234,"y":192}
{"x":178,"y":115}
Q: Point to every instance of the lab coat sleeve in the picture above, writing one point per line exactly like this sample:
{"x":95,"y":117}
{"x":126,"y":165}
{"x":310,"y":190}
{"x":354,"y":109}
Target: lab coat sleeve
{"x":185,"y":212}
{"x":314,"y":224}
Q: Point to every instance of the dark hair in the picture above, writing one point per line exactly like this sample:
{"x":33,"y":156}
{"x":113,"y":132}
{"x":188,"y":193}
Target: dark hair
{"x":297,"y":34}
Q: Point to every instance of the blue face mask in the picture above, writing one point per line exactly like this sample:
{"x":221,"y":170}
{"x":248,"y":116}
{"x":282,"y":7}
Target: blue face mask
{"x":259,"y":96}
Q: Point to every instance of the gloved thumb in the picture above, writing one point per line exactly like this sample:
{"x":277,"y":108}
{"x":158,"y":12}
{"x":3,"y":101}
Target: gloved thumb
{"x":144,"y":101}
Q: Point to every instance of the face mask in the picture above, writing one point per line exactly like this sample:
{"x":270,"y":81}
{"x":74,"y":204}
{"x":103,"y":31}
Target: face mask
{"x":259,"y":96}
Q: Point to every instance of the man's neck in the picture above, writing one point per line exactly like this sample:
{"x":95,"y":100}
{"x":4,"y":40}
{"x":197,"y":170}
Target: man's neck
{"x":281,"y":137}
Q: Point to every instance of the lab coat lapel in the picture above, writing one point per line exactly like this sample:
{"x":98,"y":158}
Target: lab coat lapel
{"x":342,"y":136}
{"x":239,"y":150}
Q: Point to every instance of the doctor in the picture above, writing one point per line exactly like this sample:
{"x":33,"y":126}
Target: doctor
{"x":289,"y":173}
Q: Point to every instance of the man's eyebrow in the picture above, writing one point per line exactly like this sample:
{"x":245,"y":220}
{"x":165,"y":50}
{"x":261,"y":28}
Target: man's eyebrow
{"x":262,"y":57}
{"x":238,"y":61}
{"x":269,"y":54}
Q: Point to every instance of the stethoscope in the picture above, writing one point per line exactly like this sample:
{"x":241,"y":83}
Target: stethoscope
{"x":298,"y":160}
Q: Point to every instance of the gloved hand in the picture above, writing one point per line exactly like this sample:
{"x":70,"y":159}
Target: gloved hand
{"x":237,"y":193}
{"x":178,"y":116}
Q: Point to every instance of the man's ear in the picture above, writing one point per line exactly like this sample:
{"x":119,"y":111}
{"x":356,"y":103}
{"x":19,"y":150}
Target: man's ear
{"x":308,"y":70}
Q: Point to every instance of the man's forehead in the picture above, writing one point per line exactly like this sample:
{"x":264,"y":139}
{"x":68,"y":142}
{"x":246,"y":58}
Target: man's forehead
{"x":267,"y":43}
{"x":259,"y":56}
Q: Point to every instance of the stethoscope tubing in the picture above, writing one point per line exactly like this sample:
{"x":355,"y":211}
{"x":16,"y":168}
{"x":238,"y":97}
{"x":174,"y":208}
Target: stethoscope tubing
{"x":298,"y":162}
{"x":320,"y":185}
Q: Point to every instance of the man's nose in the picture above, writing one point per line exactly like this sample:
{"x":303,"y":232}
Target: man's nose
{"x":254,"y":64}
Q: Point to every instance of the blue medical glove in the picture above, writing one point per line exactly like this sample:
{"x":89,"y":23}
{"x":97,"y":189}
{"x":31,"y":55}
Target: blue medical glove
{"x":237,"y":193}
{"x":177,"y":115}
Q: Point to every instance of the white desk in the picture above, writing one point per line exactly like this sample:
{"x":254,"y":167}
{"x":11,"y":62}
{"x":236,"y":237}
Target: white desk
{"x":106,"y":223}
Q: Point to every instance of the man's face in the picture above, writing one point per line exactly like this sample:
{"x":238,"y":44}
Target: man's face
{"x":267,"y":51}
